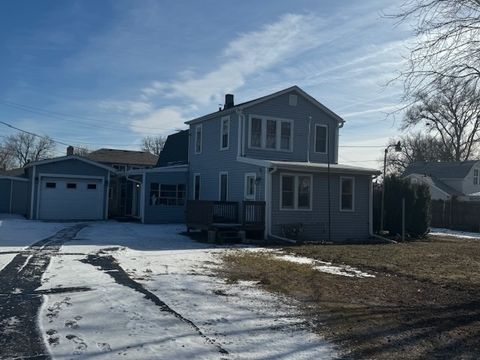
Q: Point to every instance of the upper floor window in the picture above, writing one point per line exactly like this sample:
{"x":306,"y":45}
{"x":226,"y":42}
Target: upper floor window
{"x":295,"y":192}
{"x":225,"y":133}
{"x":271,"y":134}
{"x":198,"y":139}
{"x":321,"y":138}
{"x":475,"y":177}
{"x":347,"y":193}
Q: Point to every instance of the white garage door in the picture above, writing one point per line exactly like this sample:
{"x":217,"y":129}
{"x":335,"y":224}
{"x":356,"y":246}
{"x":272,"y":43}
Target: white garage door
{"x":70,"y":199}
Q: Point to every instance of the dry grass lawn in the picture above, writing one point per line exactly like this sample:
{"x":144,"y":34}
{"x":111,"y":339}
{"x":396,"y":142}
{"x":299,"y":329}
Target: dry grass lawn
{"x":423,"y":303}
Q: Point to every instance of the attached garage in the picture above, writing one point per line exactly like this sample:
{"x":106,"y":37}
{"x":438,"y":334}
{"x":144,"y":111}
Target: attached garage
{"x":69,"y":188}
{"x":71,"y":198}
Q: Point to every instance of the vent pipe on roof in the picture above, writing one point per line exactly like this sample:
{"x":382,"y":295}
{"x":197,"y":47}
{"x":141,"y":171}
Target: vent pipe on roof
{"x":228,"y":101}
{"x":70,"y":150}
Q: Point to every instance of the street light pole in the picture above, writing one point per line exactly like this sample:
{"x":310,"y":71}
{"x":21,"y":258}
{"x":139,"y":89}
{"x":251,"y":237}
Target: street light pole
{"x":398,"y":148}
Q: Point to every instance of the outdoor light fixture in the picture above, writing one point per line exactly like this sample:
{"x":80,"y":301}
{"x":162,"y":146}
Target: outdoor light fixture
{"x":398,"y":148}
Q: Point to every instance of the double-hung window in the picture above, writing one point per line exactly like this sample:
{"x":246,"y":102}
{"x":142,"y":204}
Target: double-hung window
{"x":198,"y":139}
{"x":271,"y":134}
{"x":250,"y":186}
{"x":225,"y":133}
{"x":321,"y":138}
{"x":223,"y":186}
{"x":196,"y":187}
{"x":475,"y":177}
{"x":347,"y":193}
{"x":295,"y":192}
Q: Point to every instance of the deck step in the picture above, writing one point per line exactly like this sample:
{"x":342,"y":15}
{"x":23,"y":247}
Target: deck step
{"x":228,"y":237}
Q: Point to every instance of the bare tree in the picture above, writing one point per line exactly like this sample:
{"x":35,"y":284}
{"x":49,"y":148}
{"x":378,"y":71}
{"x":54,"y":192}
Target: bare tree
{"x":5,"y":158}
{"x":153,"y":144}
{"x":416,"y":147}
{"x":447,"y":42}
{"x":28,"y":147}
{"x":81,"y":151}
{"x":451,"y":113}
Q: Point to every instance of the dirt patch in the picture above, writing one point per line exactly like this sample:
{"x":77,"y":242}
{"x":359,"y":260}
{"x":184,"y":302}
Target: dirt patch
{"x":422,"y":303}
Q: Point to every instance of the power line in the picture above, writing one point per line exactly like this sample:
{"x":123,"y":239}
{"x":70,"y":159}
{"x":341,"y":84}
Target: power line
{"x":31,"y":133}
{"x":61,"y":116}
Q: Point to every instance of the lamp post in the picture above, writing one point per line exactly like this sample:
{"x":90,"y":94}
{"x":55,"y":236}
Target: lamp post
{"x":398,"y":148}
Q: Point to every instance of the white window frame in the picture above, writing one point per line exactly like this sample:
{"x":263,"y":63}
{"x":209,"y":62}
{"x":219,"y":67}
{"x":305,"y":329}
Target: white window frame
{"x":197,"y":128}
{"x":341,"y":194}
{"x":247,"y":196}
{"x":220,"y":185}
{"x":194,"y":190}
{"x":225,"y":119}
{"x":295,"y":192}
{"x":315,"y":139}
{"x":475,"y":176}
{"x":263,"y":134}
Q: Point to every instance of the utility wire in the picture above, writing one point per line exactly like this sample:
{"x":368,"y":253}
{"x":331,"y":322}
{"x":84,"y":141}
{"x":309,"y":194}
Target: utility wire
{"x":31,"y":133}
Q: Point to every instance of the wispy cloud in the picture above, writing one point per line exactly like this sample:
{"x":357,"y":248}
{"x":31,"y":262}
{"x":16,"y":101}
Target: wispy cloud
{"x":244,"y":56}
{"x":128,"y":106}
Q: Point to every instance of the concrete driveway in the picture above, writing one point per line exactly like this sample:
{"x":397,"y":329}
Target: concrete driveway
{"x":113,"y":290}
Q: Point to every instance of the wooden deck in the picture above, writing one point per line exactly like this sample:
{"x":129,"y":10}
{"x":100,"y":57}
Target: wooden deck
{"x":216,"y":215}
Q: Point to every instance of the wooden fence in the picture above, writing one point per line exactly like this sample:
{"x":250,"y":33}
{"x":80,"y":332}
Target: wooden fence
{"x":454,"y":214}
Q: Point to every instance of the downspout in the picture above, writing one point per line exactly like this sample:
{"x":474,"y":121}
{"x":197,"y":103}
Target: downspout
{"x":308,"y":137}
{"x":108,"y":196}
{"x":11,"y":196}
{"x":268,"y":207}
{"x":32,"y":192}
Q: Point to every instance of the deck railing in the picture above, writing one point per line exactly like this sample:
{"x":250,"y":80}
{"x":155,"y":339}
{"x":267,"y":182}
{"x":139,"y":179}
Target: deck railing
{"x":205,"y":214}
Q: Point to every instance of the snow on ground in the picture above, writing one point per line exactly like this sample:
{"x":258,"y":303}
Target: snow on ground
{"x":16,"y":233}
{"x":454,"y":233}
{"x":322,"y":266}
{"x":326,"y":267}
{"x":113,"y":321}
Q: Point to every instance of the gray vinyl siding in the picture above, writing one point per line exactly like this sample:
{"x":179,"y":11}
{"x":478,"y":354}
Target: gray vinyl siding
{"x":159,"y":214}
{"x":71,"y":168}
{"x":212,"y":161}
{"x":279,"y":107}
{"x":14,"y":196}
{"x":5,"y":186}
{"x":345,"y":226}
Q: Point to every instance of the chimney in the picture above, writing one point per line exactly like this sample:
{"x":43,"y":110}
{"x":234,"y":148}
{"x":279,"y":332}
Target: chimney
{"x":70,"y":150}
{"x":228,"y":101}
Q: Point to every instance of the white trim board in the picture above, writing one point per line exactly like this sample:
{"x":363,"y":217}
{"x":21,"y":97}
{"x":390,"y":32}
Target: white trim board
{"x":251,"y":103}
{"x":71,"y":157}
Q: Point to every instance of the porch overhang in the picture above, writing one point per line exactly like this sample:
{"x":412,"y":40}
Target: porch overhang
{"x":310,"y":167}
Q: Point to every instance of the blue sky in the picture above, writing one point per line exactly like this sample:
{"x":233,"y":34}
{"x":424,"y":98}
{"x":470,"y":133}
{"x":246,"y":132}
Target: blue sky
{"x":104,"y":73}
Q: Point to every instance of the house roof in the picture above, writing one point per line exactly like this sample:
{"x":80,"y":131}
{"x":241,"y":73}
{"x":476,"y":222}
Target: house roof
{"x":123,"y":157}
{"x":444,"y":187}
{"x":441,"y":170}
{"x":175,"y":150}
{"x":70,"y":157}
{"x":13,"y":172}
{"x":253,"y":102}
{"x":309,"y":166}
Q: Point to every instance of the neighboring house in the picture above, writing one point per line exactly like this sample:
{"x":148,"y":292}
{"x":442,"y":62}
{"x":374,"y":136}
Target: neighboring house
{"x":269,"y":165}
{"x":273,"y":159}
{"x":123,"y":194}
{"x":448,"y":179}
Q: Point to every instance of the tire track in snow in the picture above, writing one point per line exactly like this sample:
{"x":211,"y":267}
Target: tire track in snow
{"x":110,"y":266}
{"x":20,"y":336}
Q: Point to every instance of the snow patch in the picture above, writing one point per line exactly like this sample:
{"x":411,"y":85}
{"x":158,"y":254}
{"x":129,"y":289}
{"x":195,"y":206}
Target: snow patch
{"x":454,"y":233}
{"x":326,"y":267}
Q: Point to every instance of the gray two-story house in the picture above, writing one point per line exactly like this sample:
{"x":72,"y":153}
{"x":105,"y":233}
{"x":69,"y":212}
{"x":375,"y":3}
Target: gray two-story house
{"x":270,"y":162}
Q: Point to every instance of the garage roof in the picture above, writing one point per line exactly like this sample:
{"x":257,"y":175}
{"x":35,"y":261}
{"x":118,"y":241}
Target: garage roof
{"x":70,"y":157}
